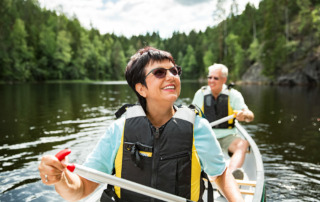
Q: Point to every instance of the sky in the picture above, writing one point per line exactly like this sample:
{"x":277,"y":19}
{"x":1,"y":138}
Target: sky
{"x":134,"y":17}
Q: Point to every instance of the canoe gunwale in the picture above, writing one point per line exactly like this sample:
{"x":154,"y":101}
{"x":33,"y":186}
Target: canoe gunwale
{"x":259,"y":190}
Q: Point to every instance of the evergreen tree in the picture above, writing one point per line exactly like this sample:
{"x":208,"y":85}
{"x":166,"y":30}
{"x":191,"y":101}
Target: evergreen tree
{"x":236,"y":56}
{"x":255,"y":50}
{"x":316,"y":22}
{"x":39,"y":44}
{"x":47,"y":48}
{"x":79,"y":62}
{"x":189,"y":63}
{"x":118,"y":61}
{"x":19,"y":53}
{"x":305,"y":16}
{"x":274,"y":53}
{"x":208,"y":59}
{"x":6,"y":22}
{"x":62,"y":55}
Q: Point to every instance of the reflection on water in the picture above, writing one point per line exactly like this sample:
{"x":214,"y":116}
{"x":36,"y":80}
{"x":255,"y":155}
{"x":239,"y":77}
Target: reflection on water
{"x":38,"y":119}
{"x":287,"y":131}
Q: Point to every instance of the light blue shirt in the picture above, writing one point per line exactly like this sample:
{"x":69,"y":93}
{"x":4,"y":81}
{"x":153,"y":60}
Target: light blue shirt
{"x":208,"y":148}
{"x":236,"y":102}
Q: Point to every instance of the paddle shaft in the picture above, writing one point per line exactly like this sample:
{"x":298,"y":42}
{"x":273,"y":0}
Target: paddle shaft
{"x":101,"y":177}
{"x":227,"y":118}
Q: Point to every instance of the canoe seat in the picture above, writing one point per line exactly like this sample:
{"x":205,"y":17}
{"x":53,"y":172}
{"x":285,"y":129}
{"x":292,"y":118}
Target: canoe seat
{"x":243,"y":183}
{"x":247,"y":192}
{"x":246,"y":183}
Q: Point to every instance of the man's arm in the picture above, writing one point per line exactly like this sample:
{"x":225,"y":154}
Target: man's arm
{"x":239,"y":105}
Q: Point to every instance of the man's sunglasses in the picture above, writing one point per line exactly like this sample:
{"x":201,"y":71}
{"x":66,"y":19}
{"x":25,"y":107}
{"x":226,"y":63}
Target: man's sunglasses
{"x":213,"y":77}
{"x":161,"y":72}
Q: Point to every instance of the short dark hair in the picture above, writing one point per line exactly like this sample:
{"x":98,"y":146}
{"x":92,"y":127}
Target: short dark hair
{"x":135,"y":70}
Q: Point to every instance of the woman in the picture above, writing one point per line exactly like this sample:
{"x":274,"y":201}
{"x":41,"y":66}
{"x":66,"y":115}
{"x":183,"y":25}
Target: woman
{"x":154,"y":143}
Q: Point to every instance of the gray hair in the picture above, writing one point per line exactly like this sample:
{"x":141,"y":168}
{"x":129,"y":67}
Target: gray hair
{"x":223,"y":68}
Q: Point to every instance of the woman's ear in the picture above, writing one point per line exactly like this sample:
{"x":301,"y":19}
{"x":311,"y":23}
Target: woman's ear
{"x":141,"y":89}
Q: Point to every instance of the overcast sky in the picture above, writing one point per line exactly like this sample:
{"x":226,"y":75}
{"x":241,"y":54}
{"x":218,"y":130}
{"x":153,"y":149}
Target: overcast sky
{"x":134,"y":17}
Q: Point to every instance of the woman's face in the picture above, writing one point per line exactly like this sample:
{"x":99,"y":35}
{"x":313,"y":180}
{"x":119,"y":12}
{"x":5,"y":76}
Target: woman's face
{"x":161,"y":90}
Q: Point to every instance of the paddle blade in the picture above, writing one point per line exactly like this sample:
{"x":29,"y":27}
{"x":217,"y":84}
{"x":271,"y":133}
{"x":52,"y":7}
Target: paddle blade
{"x":62,"y":154}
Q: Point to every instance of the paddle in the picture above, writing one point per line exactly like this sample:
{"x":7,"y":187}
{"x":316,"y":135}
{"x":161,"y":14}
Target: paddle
{"x":101,"y":177}
{"x":227,"y":118}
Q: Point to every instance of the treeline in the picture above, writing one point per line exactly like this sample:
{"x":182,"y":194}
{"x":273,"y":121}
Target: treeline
{"x":38,"y":44}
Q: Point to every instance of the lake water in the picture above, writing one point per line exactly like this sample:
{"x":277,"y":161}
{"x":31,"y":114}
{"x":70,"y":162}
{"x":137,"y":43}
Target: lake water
{"x":38,"y":119}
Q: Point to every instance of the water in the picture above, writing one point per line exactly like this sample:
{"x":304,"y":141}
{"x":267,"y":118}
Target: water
{"x":39,"y":119}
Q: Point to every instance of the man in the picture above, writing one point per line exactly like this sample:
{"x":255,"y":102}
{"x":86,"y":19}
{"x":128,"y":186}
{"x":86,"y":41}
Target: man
{"x":217,"y":101}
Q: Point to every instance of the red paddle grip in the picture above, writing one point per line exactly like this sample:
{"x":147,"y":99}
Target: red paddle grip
{"x":71,"y":167}
{"x":62,"y":154}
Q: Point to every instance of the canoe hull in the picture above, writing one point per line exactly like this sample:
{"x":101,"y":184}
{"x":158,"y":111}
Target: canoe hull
{"x":252,"y":187}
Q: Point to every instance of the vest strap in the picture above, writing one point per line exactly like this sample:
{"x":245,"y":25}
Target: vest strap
{"x":109,"y":195}
{"x":123,"y":109}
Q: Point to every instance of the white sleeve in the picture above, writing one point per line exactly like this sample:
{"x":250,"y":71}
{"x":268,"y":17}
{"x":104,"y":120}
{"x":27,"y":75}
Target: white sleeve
{"x":198,"y":98}
{"x":208,"y":148}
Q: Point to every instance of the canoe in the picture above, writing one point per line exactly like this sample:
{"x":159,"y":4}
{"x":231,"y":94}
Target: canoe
{"x":253,"y":167}
{"x":251,"y":187}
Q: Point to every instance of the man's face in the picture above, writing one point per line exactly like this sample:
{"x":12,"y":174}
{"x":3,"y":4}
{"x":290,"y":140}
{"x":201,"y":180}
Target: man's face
{"x":216,"y":81}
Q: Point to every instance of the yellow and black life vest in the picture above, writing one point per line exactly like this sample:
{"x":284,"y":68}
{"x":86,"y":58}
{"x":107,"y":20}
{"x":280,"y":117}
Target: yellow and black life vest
{"x":217,"y":109}
{"x":164,"y":158}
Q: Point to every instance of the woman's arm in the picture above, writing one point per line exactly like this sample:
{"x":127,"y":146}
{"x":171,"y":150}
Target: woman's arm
{"x":228,"y":186}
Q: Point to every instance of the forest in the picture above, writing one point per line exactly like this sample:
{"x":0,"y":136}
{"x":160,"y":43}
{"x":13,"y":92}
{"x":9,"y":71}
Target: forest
{"x":42,"y":45}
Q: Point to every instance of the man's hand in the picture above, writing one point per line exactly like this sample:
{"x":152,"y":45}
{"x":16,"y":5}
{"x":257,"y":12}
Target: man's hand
{"x":245,"y":115}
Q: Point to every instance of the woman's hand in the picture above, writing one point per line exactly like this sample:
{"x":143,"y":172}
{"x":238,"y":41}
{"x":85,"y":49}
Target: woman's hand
{"x":51,"y":169}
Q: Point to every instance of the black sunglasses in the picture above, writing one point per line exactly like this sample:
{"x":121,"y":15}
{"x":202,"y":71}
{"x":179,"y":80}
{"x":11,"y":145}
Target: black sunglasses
{"x":214,"y":77}
{"x":161,"y":72}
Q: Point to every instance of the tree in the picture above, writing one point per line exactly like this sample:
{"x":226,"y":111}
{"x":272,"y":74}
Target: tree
{"x":47,"y":47}
{"x":274,"y":52}
{"x":208,"y":60}
{"x":118,"y":61}
{"x":316,"y":21}
{"x":78,"y":64}
{"x":62,"y":55}
{"x":220,"y":15}
{"x":20,"y":55}
{"x":6,"y":21}
{"x":255,"y":50}
{"x":108,"y":44}
{"x":305,"y":16}
{"x":236,"y":56}
{"x":189,"y":64}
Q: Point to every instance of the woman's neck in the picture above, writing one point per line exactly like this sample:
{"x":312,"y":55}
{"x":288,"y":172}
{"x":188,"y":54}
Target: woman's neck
{"x":159,"y":115}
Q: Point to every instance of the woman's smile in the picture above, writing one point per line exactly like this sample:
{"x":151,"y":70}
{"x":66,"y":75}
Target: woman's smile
{"x":169,"y":87}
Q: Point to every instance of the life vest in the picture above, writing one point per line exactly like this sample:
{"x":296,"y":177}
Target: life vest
{"x":217,"y":109}
{"x":164,"y":158}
